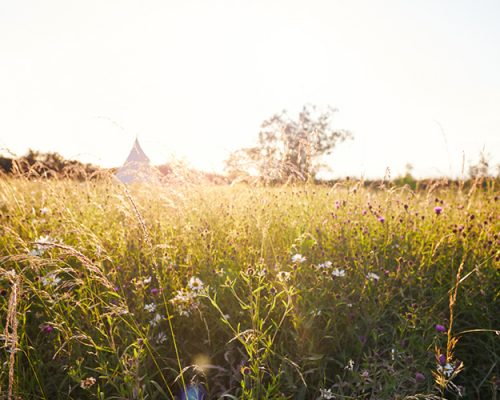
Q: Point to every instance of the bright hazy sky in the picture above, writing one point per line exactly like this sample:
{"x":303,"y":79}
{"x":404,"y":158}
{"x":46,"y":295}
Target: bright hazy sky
{"x":415,"y":81}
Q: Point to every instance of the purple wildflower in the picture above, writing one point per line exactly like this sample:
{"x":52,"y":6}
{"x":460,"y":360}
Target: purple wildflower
{"x":438,"y":210}
{"x":419,"y":377}
{"x":47,"y":329}
{"x":442,"y":359}
{"x":381,"y":219}
{"x":155,"y":291}
{"x":440,"y":328}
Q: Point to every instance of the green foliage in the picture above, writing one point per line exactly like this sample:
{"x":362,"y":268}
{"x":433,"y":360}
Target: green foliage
{"x":247,"y":292}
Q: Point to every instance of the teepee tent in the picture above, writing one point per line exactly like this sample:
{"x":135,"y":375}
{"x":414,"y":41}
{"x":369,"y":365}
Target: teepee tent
{"x":137,"y":167}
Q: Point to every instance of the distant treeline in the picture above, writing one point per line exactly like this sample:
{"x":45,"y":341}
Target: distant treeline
{"x":48,"y":165}
{"x":37,"y":164}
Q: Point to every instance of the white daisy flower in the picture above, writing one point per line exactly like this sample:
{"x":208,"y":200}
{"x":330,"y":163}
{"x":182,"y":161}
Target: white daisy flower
{"x":195,"y":284}
{"x":150,"y":307}
{"x":298,"y":258}
{"x":372,"y":277}
{"x":338,"y":272}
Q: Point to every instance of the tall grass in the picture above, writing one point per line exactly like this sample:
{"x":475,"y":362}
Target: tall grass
{"x":197,"y":291}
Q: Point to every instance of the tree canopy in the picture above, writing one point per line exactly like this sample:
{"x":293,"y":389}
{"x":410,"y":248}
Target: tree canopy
{"x":289,"y":148}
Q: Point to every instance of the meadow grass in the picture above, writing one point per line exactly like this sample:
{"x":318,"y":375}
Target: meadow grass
{"x":297,"y":292}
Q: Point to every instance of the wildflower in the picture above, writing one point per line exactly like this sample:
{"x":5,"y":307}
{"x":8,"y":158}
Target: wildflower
{"x":47,"y":328}
{"x":155,"y":291}
{"x":41,"y":245}
{"x":194,"y":391}
{"x":338,"y":272}
{"x":442,"y":359}
{"x":150,"y":307}
{"x":447,"y":370}
{"x":51,"y":279}
{"x":350,"y":365}
{"x":325,"y":265}
{"x":11,"y":274}
{"x":298,"y":258}
{"x":161,"y":338}
{"x":419,"y":377}
{"x":438,"y":210}
{"x":44,"y":210}
{"x":381,"y":220}
{"x":283,"y":276}
{"x":195,"y":284}
{"x":372,"y":276}
{"x":156,"y":320}
{"x":87,"y":382}
{"x":184,"y":302}
{"x":440,"y":328}
{"x":147,"y":280}
{"x":326,"y":394}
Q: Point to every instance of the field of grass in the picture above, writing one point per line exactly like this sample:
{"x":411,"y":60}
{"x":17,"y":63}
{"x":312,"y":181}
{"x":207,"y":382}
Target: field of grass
{"x":219,"y":292}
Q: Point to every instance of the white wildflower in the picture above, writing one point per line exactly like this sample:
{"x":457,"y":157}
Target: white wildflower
{"x":326,"y":394}
{"x":448,"y":370}
{"x":156,"y":320}
{"x":44,"y":210}
{"x":147,"y":280}
{"x":338,"y":272}
{"x":184,"y":302}
{"x":298,"y":258}
{"x":161,"y":338}
{"x":87,"y":382}
{"x":372,"y":277}
{"x":150,"y":307}
{"x":11,"y":274}
{"x":41,"y":245}
{"x":325,"y":265}
{"x":283,"y":276}
{"x":195,"y":284}
{"x":51,"y":279}
{"x":350,"y":365}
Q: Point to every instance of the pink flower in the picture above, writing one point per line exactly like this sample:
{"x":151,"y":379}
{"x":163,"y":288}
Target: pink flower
{"x":440,"y":328}
{"x":438,"y":210}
